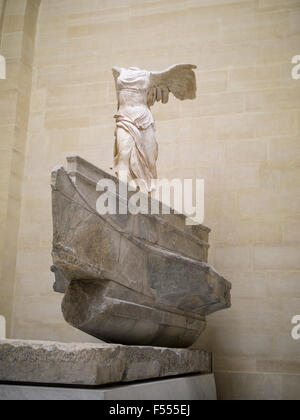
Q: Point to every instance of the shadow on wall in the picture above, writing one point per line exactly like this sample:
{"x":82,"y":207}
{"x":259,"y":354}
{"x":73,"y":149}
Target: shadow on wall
{"x":17,"y":42}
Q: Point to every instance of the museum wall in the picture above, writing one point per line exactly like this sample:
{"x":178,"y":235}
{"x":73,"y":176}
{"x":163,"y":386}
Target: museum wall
{"x":241,"y":135}
{"x":18,"y":22}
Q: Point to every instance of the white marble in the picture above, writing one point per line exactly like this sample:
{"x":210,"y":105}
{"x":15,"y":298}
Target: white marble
{"x":136,"y":148}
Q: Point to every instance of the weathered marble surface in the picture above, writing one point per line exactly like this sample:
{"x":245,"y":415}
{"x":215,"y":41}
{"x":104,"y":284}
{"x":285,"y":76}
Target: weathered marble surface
{"x":94,"y":364}
{"x":130,"y":279}
{"x":136,"y":148}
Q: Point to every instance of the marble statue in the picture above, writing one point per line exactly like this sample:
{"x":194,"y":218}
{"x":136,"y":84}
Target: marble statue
{"x":136,"y":148}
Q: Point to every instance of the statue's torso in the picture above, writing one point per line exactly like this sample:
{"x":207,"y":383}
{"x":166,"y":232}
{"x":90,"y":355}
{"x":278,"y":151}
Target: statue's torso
{"x":132,"y":89}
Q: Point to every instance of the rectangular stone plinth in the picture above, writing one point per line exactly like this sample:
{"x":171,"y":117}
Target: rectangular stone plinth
{"x":193,"y":387}
{"x":44,"y":362}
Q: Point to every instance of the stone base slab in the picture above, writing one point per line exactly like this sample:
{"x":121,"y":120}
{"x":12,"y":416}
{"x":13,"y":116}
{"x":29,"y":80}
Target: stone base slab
{"x":196,"y":387}
{"x":42,"y":362}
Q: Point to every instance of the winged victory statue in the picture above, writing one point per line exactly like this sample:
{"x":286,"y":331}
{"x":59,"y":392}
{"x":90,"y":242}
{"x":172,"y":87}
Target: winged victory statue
{"x":136,"y":148}
{"x":136,"y":279}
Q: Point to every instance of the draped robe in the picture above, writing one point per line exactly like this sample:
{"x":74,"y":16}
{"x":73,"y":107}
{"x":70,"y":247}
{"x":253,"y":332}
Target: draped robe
{"x":135,"y":118}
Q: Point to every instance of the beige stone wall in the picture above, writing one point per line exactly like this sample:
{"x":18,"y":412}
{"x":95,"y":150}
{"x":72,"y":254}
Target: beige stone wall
{"x":242,"y":135}
{"x":18,"y":21}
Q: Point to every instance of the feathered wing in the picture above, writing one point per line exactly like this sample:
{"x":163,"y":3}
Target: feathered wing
{"x":179,"y":80}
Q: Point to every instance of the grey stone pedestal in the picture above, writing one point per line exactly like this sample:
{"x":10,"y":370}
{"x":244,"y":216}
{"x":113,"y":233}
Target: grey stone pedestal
{"x":42,"y":370}
{"x":43,"y":362}
{"x":196,"y":387}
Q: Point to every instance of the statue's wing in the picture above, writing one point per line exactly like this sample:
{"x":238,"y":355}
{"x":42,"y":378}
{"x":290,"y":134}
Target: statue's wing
{"x":179,"y":79}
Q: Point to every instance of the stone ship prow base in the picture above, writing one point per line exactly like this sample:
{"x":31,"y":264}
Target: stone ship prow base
{"x":130,"y":279}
